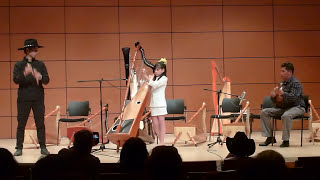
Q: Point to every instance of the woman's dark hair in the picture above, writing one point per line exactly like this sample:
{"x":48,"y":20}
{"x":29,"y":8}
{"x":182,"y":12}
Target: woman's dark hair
{"x":133,"y":154}
{"x":160,"y":65}
{"x":288,"y":66}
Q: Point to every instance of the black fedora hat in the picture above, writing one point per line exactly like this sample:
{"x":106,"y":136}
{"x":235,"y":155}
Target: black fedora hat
{"x":240,"y":145}
{"x":30,"y":43}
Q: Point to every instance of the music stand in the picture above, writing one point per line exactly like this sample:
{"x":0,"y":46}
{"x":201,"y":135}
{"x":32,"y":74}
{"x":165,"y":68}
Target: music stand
{"x":219,"y":141}
{"x":102,"y":146}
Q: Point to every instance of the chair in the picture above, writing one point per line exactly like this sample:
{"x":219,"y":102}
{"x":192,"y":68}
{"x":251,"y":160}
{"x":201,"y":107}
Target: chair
{"x":267,"y":103}
{"x":229,"y":105}
{"x":232,"y":128}
{"x":176,"y":106}
{"x":75,"y":108}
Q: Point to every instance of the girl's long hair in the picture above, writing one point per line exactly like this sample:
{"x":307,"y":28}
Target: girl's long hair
{"x":160,"y":65}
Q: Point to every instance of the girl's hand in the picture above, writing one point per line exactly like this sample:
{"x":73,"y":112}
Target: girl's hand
{"x":144,"y":75}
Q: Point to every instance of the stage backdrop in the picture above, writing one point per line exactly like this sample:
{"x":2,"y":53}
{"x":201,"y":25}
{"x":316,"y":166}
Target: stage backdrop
{"x":82,"y":39}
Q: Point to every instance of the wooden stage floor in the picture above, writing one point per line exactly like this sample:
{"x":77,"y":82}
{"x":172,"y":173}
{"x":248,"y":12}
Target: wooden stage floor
{"x":188,"y":151}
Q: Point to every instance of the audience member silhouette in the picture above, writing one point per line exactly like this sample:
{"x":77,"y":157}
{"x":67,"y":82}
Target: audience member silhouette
{"x":271,"y":155}
{"x":164,"y":163}
{"x":8,"y":164}
{"x":133,"y":155}
{"x":79,"y":158}
{"x":268,"y":164}
{"x":48,"y":167}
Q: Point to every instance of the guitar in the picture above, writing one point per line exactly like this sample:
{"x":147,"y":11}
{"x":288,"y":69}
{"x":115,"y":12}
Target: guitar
{"x":278,"y":98}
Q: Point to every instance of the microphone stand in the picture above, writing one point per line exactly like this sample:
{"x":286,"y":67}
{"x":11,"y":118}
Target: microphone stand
{"x":102,"y":146}
{"x":219,"y":141}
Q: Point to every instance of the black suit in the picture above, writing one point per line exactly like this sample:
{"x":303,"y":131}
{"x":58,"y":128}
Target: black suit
{"x":30,"y":96}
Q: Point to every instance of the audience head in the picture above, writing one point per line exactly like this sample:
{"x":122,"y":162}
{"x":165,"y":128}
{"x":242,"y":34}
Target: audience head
{"x":8,"y":164}
{"x":271,"y":155}
{"x":83,"y":141}
{"x":268,"y":164}
{"x":133,"y":154}
{"x":164,"y":163}
{"x":47,"y":167}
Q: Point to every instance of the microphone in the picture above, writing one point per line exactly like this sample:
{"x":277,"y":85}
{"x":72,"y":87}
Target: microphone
{"x":242,"y":97}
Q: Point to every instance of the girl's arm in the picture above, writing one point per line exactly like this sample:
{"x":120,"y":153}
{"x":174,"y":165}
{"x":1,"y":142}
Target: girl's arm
{"x":161,"y":82}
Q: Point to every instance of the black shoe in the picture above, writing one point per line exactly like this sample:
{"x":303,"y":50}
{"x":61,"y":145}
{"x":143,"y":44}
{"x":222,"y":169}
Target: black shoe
{"x":44,"y":151}
{"x":285,"y":144}
{"x":268,"y":141}
{"x":18,"y":152}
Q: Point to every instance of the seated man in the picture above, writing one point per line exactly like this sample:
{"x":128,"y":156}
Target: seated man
{"x":290,"y":104}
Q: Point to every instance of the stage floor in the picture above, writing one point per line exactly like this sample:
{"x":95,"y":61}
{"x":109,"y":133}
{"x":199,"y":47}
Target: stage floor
{"x":188,"y":151}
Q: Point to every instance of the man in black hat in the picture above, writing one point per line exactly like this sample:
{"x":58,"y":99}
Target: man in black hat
{"x":30,"y":74}
{"x":240,"y":146}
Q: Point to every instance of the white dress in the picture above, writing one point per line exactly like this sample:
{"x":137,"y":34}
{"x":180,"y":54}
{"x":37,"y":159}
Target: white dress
{"x":158,"y":104}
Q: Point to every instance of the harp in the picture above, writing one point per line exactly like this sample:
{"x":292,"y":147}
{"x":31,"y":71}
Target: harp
{"x":127,"y":124}
{"x":226,"y":87}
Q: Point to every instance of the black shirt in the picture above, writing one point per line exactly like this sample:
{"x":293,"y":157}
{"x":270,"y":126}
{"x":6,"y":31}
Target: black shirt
{"x":292,"y":95}
{"x":29,"y":90}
